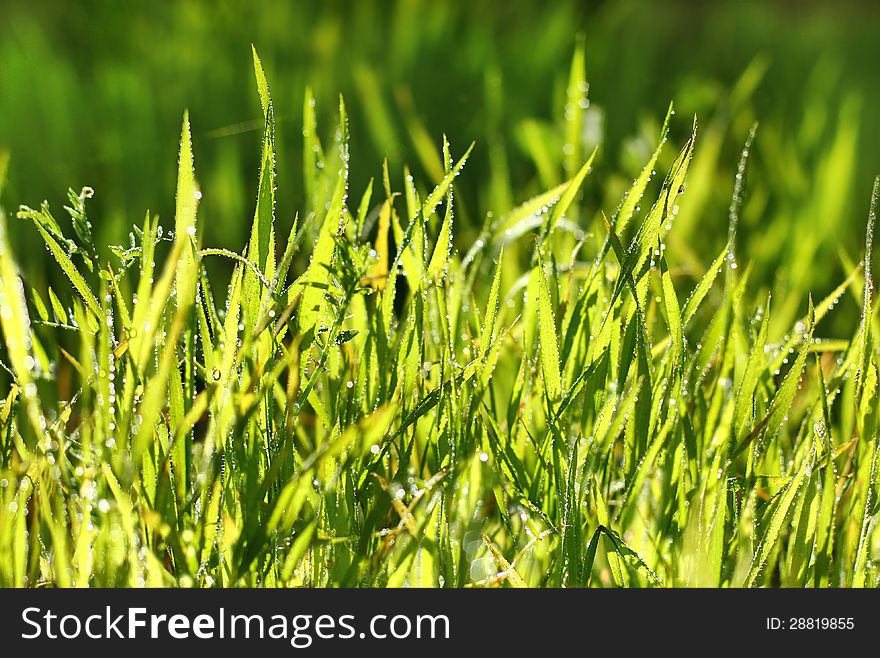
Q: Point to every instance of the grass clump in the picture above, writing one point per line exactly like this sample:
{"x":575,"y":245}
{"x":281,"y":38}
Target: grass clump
{"x":556,"y":405}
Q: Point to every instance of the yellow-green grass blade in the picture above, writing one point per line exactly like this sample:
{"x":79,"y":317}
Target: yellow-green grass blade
{"x":71,"y":272}
{"x":261,"y":247}
{"x":316,"y":276}
{"x":634,"y":194}
{"x":547,"y":338}
{"x":185,"y":228}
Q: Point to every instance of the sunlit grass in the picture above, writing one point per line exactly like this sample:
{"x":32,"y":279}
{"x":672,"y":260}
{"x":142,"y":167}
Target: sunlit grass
{"x":554,"y":405}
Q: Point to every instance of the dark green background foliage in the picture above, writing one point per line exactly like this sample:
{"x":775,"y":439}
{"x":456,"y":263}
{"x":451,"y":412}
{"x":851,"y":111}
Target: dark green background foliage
{"x":91,"y":93}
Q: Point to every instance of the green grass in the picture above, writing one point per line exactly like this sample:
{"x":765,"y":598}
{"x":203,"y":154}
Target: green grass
{"x":559,"y":403}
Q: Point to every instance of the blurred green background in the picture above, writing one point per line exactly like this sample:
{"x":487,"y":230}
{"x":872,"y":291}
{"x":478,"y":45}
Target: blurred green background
{"x":92,"y":93}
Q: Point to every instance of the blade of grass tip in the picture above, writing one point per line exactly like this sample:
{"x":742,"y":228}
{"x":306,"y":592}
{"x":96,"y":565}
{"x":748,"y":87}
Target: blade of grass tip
{"x":822,"y":309}
{"x":410,"y":194}
{"x":440,"y":255}
{"x":488,"y":329}
{"x":413,"y":258}
{"x":650,"y":229}
{"x":261,"y":247}
{"x":525,"y":212}
{"x":664,"y":208}
{"x":57,"y":307}
{"x":73,"y":275}
{"x":628,"y":205}
{"x":386,"y":180}
{"x":567,"y":198}
{"x":547,"y":337}
{"x":576,"y":103}
{"x":317,"y":273}
{"x":40,"y":306}
{"x":262,"y":84}
{"x":436,"y":196}
{"x":736,"y":202}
